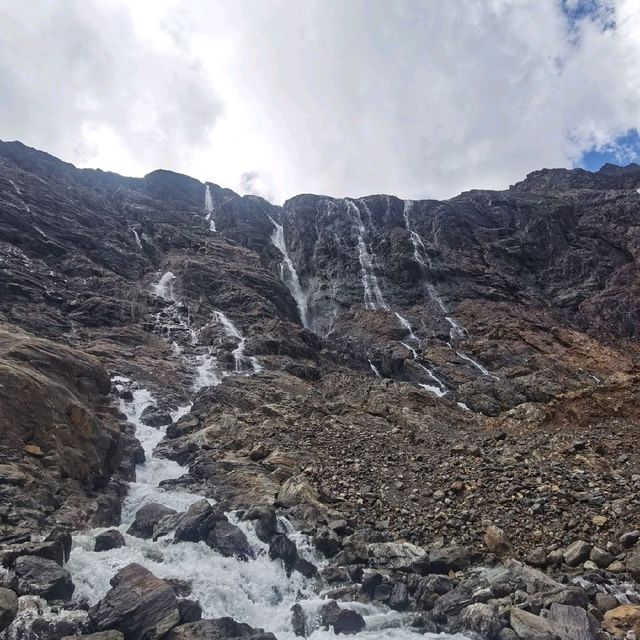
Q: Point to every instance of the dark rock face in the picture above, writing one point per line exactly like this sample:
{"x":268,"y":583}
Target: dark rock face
{"x":138,"y":605}
{"x":42,"y":577}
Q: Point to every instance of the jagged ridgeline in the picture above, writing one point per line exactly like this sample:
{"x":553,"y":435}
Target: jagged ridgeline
{"x":272,"y":402}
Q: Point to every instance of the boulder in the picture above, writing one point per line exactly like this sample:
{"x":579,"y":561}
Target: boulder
{"x":189,"y":610}
{"x":632,"y":563}
{"x":481,"y":619}
{"x":139,"y":605}
{"x":283,"y":548}
{"x":297,"y":490}
{"x":344,"y":621}
{"x":605,"y":602}
{"x":577,"y":552}
{"x":622,"y":619}
{"x":8,"y":607}
{"x":528,"y":626}
{"x":601,"y":557}
{"x":229,"y":541}
{"x":154,"y":417}
{"x":399,"y":598}
{"x":496,"y":541}
{"x":147,"y":517}
{"x":449,"y":559}
{"x":107,"y":540}
{"x":573,"y":623}
{"x":452,"y":603}
{"x":327,"y":542}
{"x":198,"y":519}
{"x":43,"y":577}
{"x":265,"y":522}
{"x":306,"y":568}
{"x":217,"y":629}
{"x":629,"y":538}
{"x":395,"y":555}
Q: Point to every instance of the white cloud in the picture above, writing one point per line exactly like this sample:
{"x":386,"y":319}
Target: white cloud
{"x":347,"y":98}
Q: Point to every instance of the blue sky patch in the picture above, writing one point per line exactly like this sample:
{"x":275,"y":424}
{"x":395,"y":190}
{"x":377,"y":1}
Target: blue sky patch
{"x":621,"y":151}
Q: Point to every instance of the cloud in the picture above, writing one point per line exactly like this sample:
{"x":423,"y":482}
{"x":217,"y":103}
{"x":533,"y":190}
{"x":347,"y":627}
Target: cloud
{"x":77,"y":79}
{"x":346,"y":98}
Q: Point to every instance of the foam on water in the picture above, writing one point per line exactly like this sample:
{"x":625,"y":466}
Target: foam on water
{"x":164,"y":287}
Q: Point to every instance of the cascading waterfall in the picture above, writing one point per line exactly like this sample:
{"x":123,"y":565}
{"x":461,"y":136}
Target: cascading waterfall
{"x":288,"y":273}
{"x":164,"y":288}
{"x":439,"y":390}
{"x":238,"y":352}
{"x":373,"y":298}
{"x":456,"y":330}
{"x":374,"y":369}
{"x":208,"y":207}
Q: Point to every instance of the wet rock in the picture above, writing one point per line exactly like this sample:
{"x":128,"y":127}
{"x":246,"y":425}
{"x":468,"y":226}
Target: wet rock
{"x":229,"y":540}
{"x":496,"y":541}
{"x":107,"y":540}
{"x":327,"y":542}
{"x":632,"y":563}
{"x":573,"y":622}
{"x":43,"y":577}
{"x":265,"y":522}
{"x":61,"y":538}
{"x":481,"y":619}
{"x":154,"y":417}
{"x":147,"y":517}
{"x":139,"y":605}
{"x":628,"y":539}
{"x":198,"y":519}
{"x":181,"y":588}
{"x":399,"y":598}
{"x":189,"y":610}
{"x":283,"y":548}
{"x":306,"y":568}
{"x":576,"y":553}
{"x":344,"y":621}
{"x":50,"y":550}
{"x":217,"y":629}
{"x":528,"y":626}
{"x":395,"y":555}
{"x":298,"y":620}
{"x":449,"y":559}
{"x":622,"y":619}
{"x":452,"y":603}
{"x":8,"y":607}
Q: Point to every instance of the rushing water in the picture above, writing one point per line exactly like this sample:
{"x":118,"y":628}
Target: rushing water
{"x":137,"y":237}
{"x":289,"y":275}
{"x":164,"y":287}
{"x":238,"y":352}
{"x":257,"y":592}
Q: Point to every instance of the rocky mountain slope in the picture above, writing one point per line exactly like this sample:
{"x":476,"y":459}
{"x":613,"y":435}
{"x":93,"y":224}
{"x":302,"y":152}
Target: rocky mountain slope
{"x":416,"y":370}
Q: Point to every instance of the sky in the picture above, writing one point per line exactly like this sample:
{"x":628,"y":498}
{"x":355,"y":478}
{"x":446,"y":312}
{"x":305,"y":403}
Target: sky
{"x":417,"y":98}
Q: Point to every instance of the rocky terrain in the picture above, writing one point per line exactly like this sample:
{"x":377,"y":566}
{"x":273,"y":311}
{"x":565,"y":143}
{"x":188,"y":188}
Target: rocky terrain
{"x":402,"y":416}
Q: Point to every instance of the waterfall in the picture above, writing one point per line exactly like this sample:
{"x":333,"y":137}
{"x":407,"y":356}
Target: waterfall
{"x":288,"y":273}
{"x":164,"y":288}
{"x":208,"y":207}
{"x":374,"y":369}
{"x":439,"y":390}
{"x":137,"y":237}
{"x":238,"y":352}
{"x":456,"y":330}
{"x":373,"y":298}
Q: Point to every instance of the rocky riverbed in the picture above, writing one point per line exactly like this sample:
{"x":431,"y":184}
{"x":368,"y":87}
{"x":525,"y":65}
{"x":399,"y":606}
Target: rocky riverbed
{"x":224,"y":418}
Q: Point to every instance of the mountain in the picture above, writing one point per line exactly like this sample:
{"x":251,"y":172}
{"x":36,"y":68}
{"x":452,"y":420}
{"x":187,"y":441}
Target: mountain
{"x":413,"y":371}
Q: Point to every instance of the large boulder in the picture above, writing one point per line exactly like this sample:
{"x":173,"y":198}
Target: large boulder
{"x":528,"y":626}
{"x":481,"y":619}
{"x":217,"y":629}
{"x":633,"y":565}
{"x":107,"y":540}
{"x":195,"y":523}
{"x":229,"y":541}
{"x":147,"y":517}
{"x":624,"y":618}
{"x":8,"y":607}
{"x":395,"y":555}
{"x":449,"y":559}
{"x":573,"y":622}
{"x":138,"y":605}
{"x":283,"y":548}
{"x":43,"y":577}
{"x":344,"y":621}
